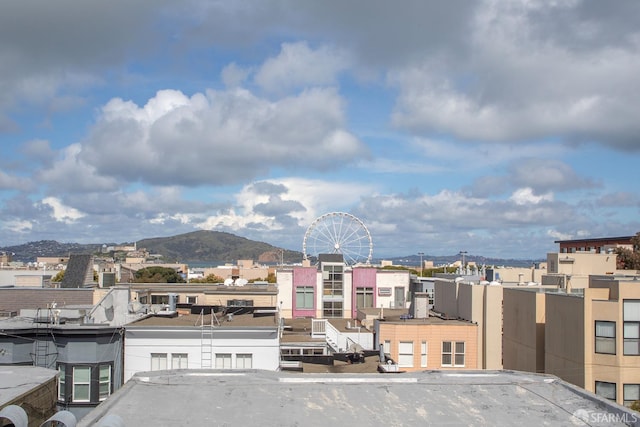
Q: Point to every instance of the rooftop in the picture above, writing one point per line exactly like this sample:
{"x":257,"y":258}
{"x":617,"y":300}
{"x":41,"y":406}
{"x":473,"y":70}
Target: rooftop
{"x":16,"y":381}
{"x":237,"y":320}
{"x":496,"y":398}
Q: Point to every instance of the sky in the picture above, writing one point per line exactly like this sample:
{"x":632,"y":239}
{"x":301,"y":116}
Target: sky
{"x":492,"y":127}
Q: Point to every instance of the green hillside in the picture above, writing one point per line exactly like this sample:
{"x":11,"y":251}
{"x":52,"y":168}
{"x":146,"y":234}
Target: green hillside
{"x":205,"y":246}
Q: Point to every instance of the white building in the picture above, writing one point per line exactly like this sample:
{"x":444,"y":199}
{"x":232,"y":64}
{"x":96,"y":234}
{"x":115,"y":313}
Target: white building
{"x":246,"y":341}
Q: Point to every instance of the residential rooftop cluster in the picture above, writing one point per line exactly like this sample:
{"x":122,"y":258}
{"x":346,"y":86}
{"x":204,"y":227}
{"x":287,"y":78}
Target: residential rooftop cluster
{"x":553,"y":344}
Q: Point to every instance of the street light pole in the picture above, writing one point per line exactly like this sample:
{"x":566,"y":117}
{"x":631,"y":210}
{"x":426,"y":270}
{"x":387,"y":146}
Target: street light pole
{"x":421,"y":263}
{"x":463,"y":253}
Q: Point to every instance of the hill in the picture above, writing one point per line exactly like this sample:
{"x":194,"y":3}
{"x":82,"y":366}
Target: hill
{"x":206,"y":246}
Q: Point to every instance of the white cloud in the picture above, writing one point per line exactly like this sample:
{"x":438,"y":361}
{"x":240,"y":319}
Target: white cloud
{"x":525,"y":196}
{"x":299,"y":66}
{"x":17,"y":226}
{"x":61,"y":212}
{"x":214,"y":138}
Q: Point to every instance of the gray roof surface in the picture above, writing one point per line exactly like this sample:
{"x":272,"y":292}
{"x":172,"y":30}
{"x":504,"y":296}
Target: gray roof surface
{"x":15,"y":381}
{"x":453,"y":398}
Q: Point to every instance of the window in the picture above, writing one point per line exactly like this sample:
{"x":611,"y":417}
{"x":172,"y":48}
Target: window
{"x":446,"y":353}
{"x":62,"y":369}
{"x":332,"y":308}
{"x":405,"y":353}
{"x":159,"y":299}
{"x":364,"y":297}
{"x":104,"y":382}
{"x":192,"y":299}
{"x":304,"y":297}
{"x":423,"y":354}
{"x":605,"y":337}
{"x":179,"y":360}
{"x":606,"y":390}
{"x":459,"y":356}
{"x":387,"y":346}
{"x":81,"y":384}
{"x":244,"y":361}
{"x":332,"y":279}
{"x":453,"y":352}
{"x":158,"y":361}
{"x":631,"y":329}
{"x":631,"y":393}
{"x":223,"y":361}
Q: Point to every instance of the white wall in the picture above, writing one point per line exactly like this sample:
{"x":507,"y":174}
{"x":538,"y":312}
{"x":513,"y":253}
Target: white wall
{"x":140,"y":343}
{"x":391,"y":279}
{"x":284,"y":279}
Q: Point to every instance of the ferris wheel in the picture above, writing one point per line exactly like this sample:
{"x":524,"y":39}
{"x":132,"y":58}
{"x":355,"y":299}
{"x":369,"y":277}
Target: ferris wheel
{"x":338,"y":233}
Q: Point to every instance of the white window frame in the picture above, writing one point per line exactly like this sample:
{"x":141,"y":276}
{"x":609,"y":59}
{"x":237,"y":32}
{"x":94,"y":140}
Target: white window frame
{"x":223,"y":361}
{"x":62,"y":392}
{"x":158,"y":361}
{"x":631,"y":327}
{"x":179,"y":360}
{"x":457,"y":353}
{"x":242,"y":359}
{"x":81,"y":383}
{"x":405,"y":357}
{"x":448,"y":353}
{"x":307,"y":293}
{"x":424,"y":349}
{"x":101,"y":382}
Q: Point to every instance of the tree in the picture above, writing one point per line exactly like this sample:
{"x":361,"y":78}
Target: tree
{"x":211,"y":278}
{"x":59,"y":276}
{"x":629,"y":259}
{"x":157,"y":275}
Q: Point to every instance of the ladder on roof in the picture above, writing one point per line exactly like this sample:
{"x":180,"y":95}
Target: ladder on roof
{"x":206,"y":343}
{"x":45,"y":351}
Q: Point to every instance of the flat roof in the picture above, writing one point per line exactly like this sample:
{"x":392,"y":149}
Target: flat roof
{"x":16,"y":381}
{"x":238,"y":320}
{"x":258,"y":398}
{"x":595,"y":239}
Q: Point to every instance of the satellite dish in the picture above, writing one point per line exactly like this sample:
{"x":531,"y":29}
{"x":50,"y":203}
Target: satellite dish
{"x":484,"y":282}
{"x":228,"y":282}
{"x":241,"y":282}
{"x":107,"y":303}
{"x":494,"y":283}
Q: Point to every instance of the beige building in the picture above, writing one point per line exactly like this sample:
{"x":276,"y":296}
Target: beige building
{"x":245,"y":269}
{"x":523,"y":329}
{"x":572,"y":270}
{"x":589,"y":337}
{"x":593,"y":340}
{"x":429,"y":343}
{"x":206,"y":294}
{"x":481,"y":304}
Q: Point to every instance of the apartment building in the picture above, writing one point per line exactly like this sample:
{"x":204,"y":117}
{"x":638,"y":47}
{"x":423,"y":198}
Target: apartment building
{"x":589,"y":337}
{"x":241,"y":341}
{"x":429,"y":343}
{"x":477,"y":302}
{"x":334,"y":290}
{"x":593,"y":340}
{"x":206,"y":294}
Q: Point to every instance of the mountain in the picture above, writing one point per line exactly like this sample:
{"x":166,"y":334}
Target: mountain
{"x":28,"y":252}
{"x":207,"y":246}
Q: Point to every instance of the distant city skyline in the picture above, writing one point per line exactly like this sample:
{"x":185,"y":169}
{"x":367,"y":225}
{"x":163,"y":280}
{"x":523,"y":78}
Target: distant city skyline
{"x":491,"y":127}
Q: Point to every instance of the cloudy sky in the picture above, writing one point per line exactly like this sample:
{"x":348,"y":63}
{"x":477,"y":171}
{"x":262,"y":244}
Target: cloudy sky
{"x":495,"y":127}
